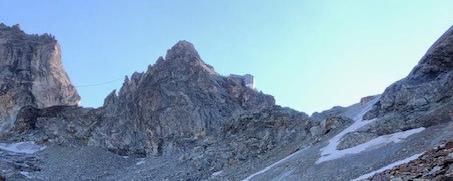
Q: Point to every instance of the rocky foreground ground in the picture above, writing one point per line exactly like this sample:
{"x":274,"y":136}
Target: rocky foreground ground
{"x":435,"y":164}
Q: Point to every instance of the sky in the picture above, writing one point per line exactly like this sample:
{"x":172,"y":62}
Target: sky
{"x":310,"y":55}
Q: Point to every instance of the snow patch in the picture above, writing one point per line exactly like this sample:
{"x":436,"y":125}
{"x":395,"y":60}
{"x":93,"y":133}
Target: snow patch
{"x":390,"y":166}
{"x":274,"y":164}
{"x":381,"y":140}
{"x":331,"y":148}
{"x":26,"y":174}
{"x":27,"y":147}
{"x":330,"y":152}
{"x":216,"y":174}
{"x":284,"y":176}
{"x":140,"y":162}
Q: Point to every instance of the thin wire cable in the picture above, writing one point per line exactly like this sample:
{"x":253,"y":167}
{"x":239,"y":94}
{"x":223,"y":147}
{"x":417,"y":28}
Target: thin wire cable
{"x":99,"y":84}
{"x":83,"y":85}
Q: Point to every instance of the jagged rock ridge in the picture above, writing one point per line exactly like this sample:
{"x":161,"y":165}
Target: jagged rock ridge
{"x":179,"y":97}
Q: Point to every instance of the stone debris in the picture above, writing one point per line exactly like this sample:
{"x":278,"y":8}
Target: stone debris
{"x":436,"y":165}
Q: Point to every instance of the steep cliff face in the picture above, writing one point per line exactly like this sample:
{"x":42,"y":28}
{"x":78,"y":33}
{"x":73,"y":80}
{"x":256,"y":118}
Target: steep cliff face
{"x":31,"y":73}
{"x":422,"y":99}
{"x":429,"y":85}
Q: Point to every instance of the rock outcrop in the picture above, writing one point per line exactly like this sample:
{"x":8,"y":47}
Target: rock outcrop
{"x":428,"y":89}
{"x":31,"y":73}
{"x":436,"y":164}
{"x":178,"y":98}
{"x":423,"y":99}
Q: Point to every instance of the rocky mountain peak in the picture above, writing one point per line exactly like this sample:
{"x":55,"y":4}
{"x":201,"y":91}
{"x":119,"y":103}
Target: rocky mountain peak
{"x":177,"y":97}
{"x":183,"y":58}
{"x":182,"y":50}
{"x":19,"y":37}
{"x":31,"y":73}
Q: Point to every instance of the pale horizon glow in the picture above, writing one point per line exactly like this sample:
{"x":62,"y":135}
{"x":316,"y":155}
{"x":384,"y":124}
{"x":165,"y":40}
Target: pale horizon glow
{"x":310,"y":55}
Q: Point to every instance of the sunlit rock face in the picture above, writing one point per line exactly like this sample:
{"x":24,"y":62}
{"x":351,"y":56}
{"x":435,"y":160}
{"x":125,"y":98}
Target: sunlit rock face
{"x":31,"y":73}
{"x":178,"y":98}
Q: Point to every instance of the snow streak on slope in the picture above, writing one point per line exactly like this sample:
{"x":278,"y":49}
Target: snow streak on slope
{"x":273,"y":165}
{"x":28,"y":147}
{"x":381,"y":140}
{"x":331,"y":148}
{"x":26,"y":174}
{"x":330,"y":152}
{"x":390,"y":166}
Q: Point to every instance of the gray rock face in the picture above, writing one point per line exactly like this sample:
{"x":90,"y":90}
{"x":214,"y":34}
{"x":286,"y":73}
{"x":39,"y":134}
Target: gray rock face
{"x":31,"y":73}
{"x":64,"y":125}
{"x":333,"y":123}
{"x":249,"y":137}
{"x":428,"y":87}
{"x":422,"y":99}
{"x":335,"y":111}
{"x":178,"y":98}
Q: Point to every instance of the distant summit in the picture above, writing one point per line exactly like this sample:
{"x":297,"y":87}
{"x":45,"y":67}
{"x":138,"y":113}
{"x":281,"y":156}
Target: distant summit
{"x":183,"y":50}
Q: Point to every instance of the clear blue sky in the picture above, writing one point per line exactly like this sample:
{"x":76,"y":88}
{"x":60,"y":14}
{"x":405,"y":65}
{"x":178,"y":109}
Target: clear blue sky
{"x":311,"y":55}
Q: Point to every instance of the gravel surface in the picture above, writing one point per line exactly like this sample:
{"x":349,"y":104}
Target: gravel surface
{"x":303,"y":167}
{"x":83,"y":163}
{"x":91,"y":163}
